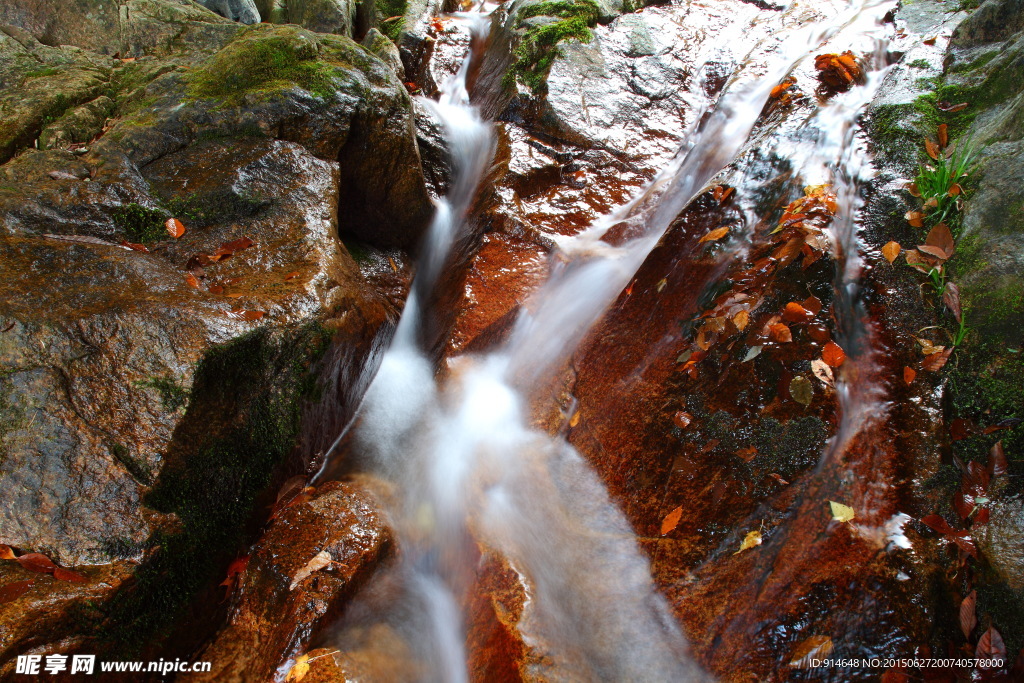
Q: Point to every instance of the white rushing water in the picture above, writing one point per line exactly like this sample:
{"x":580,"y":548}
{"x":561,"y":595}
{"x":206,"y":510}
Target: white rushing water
{"x":467,"y":465}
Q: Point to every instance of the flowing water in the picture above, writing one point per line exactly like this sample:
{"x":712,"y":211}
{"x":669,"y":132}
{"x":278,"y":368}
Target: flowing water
{"x":467,"y":466}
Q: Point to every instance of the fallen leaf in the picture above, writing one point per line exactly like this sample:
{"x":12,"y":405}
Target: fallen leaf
{"x":909,"y":374}
{"x":779,"y":332}
{"x":965,"y":544}
{"x":13,"y":591}
{"x":741,"y":320}
{"x":997,"y":463}
{"x":191,"y":280}
{"x":215,"y":289}
{"x":36,"y":562}
{"x":840,"y":512}
{"x":931,"y":148}
{"x":968,"y":619}
{"x":951,"y":108}
{"x":919,"y":261}
{"x":930,"y":41}
{"x":135,"y":246}
{"x":319,"y":561}
{"x":954,"y":190}
{"x":938,"y":523}
{"x":815,"y":647}
{"x":575,"y":419}
{"x":915,"y":218}
{"x":943,"y":133}
{"x":62,"y":574}
{"x":838,"y":70}
{"x":795,"y":313}
{"x":951,"y":297}
{"x":913,"y":189}
{"x":174,"y":228}
{"x":747,"y":454}
{"x":682,"y":419}
{"x":6,"y":553}
{"x":991,"y":645}
{"x":941,"y":237}
{"x":752,"y":353}
{"x":801,"y":390}
{"x":778,"y":478}
{"x":891,"y":250}
{"x":671,"y":520}
{"x":722,"y":193}
{"x":751,"y":540}
{"x":716,"y":234}
{"x":236,"y":567}
{"x":813,"y":304}
{"x":833,"y":354}
{"x":291,"y":276}
{"x":299,"y":669}
{"x":927,"y":348}
{"x":781,"y":88}
{"x":935,"y":361}
{"x":823,"y":372}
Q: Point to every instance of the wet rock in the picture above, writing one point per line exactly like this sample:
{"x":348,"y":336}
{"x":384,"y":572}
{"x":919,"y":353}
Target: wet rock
{"x":243,"y":11}
{"x":993,"y":21}
{"x":273,"y":616}
{"x":379,"y":44}
{"x":433,"y":144}
{"x":164,"y":27}
{"x":81,"y":124}
{"x":1002,"y":541}
{"x":322,"y":16}
{"x":90,"y":24}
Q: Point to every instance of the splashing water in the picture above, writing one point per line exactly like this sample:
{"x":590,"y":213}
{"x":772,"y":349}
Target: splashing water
{"x":467,"y":467}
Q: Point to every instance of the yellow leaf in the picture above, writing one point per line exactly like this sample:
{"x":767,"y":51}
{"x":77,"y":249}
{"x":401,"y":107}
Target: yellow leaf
{"x":752,"y":539}
{"x":716,"y":234}
{"x":575,"y":420}
{"x":840,"y":512}
{"x":299,"y":669}
{"x":671,"y":520}
{"x":741,"y":320}
{"x":891,"y":250}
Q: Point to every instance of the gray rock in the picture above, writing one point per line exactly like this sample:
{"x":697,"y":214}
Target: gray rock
{"x":379,"y":44}
{"x":243,"y":11}
{"x":994,"y":21}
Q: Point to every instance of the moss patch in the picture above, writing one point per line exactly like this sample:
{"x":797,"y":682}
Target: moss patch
{"x":538,"y":48}
{"x":139,"y":223}
{"x":391,"y":17}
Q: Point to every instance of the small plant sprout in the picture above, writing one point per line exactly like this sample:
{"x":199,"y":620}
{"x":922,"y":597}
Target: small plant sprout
{"x":938,"y":183}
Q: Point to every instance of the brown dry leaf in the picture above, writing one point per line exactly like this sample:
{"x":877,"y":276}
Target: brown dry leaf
{"x":927,"y":348}
{"x":941,"y":237}
{"x":915,"y":218}
{"x":823,"y":372}
{"x":751,"y":540}
{"x":36,"y":562}
{"x":931,"y":148}
{"x":741,"y":320}
{"x":935,"y":361}
{"x":191,"y":280}
{"x":909,"y":374}
{"x":997,"y":463}
{"x":291,"y":276}
{"x":990,"y":645}
{"x":795,"y":313}
{"x":801,"y":390}
{"x":13,"y":591}
{"x":779,"y":332}
{"x":135,"y":246}
{"x":943,"y":133}
{"x":319,"y":561}
{"x":968,"y":618}
{"x":951,"y":108}
{"x":671,"y":520}
{"x":920,"y":261}
{"x":815,"y":647}
{"x":6,"y":553}
{"x":299,"y":669}
{"x":62,"y":574}
{"x":913,"y":189}
{"x":174,"y":228}
{"x":813,"y":304}
{"x":716,"y":234}
{"x":891,"y":250}
{"x":951,"y":297}
{"x":955,"y":189}
{"x":833,"y":354}
{"x":747,"y":454}
{"x":682,"y":419}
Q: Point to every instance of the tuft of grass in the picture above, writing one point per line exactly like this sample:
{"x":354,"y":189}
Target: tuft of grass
{"x":939,"y":182}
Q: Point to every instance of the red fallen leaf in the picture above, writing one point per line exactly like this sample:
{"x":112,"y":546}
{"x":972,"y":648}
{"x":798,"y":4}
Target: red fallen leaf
{"x":909,"y":374}
{"x":968,"y":619}
{"x":682,"y":419}
{"x":941,"y":237}
{"x":671,"y":520}
{"x":990,"y":645}
{"x":981,"y":517}
{"x":36,"y":562}
{"x":960,"y":429}
{"x":966,"y":544}
{"x":191,"y":280}
{"x":951,"y":297}
{"x":135,"y":247}
{"x":997,"y":463}
{"x":236,"y":567}
{"x":975,"y":479}
{"x":795,"y":313}
{"x":939,"y":524}
{"x":932,"y":251}
{"x":230,"y":248}
{"x":812,"y":304}
{"x":747,"y":454}
{"x":950,"y":108}
{"x":62,"y":574}
{"x":943,"y":133}
{"x":215,"y":289}
{"x":833,"y":354}
{"x":931,"y":148}
{"x":294,"y":274}
{"x":779,"y":332}
{"x":174,"y":228}
{"x":915,"y":218}
{"x":935,"y":361}
{"x":246,"y":315}
{"x":6,"y":553}
{"x":818,"y":333}
{"x":13,"y":591}
{"x":963,"y":504}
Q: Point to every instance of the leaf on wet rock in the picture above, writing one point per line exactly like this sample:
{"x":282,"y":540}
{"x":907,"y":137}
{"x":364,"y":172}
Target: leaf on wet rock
{"x":174,"y":228}
{"x":716,"y":234}
{"x":909,"y":374}
{"x":6,"y":553}
{"x":747,"y":454}
{"x":575,"y":419}
{"x":833,"y":354}
{"x":36,"y":562}
{"x":915,"y":218}
{"x":291,"y":276}
{"x":795,"y":313}
{"x":937,"y":523}
{"x":722,"y":192}
{"x":968,"y":619}
{"x":951,"y":297}
{"x":943,"y":133}
{"x":823,"y":372}
{"x":991,"y":645}
{"x":815,"y":647}
{"x":919,"y":261}
{"x":299,"y":669}
{"x":671,"y":520}
{"x":780,"y":333}
{"x":838,"y":70}
{"x":741,"y":320}
{"x":891,"y":250}
{"x":997,"y":463}
{"x":191,"y":280}
{"x":681,"y":419}
{"x":931,"y":148}
{"x":135,"y":246}
{"x":927,"y":347}
{"x":782,"y":87}
{"x":941,"y":239}
{"x":751,"y":540}
{"x":801,"y":390}
{"x":752,"y":353}
{"x":813,"y":305}
{"x":228,"y":249}
{"x":951,"y":108}
{"x":13,"y":591}
{"x":840,"y":512}
{"x":62,"y":574}
{"x":935,"y":361}
{"x":319,"y":561}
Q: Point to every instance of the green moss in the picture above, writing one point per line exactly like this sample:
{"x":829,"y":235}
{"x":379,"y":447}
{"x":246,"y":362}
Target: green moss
{"x":391,"y":17}
{"x":538,"y":48}
{"x":139,"y":223}
{"x":139,"y":469}
{"x":264,"y":59}
{"x":173,"y":396}
{"x":242,"y":422}
{"x":919,"y":64}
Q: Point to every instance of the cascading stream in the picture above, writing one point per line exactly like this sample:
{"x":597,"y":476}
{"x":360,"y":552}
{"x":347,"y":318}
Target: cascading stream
{"x":466,"y":465}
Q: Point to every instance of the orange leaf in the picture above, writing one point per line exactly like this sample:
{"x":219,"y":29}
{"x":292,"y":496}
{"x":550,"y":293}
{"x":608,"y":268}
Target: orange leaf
{"x":833,"y":354}
{"x":252,"y":315}
{"x":930,"y":41}
{"x":779,"y":332}
{"x":726,"y":194}
{"x":191,"y":280}
{"x":671,"y":520}
{"x":215,"y":289}
{"x":941,"y":237}
{"x":915,"y":218}
{"x":62,"y":574}
{"x":955,"y":189}
{"x":795,"y":313}
{"x":935,"y":361}
{"x":716,"y":234}
{"x":6,"y":553}
{"x":741,"y":320}
{"x":943,"y":135}
{"x":813,"y":305}
{"x":781,"y":88}
{"x":294,"y":274}
{"x":909,"y":374}
{"x":135,"y":247}
{"x":174,"y":228}
{"x":891,"y":250}
{"x":931,"y":148}
{"x":682,"y":419}
{"x":36,"y":562}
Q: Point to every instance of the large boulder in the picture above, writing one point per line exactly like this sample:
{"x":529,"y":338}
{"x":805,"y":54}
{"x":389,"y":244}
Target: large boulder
{"x":91,"y":24}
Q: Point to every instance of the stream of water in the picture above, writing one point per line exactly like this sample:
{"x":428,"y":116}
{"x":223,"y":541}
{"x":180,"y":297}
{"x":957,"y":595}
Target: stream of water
{"x":469,"y":468}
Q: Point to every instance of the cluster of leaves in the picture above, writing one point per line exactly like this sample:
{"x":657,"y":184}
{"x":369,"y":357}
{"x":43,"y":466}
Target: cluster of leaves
{"x":838,"y":71}
{"x":37,"y":563}
{"x":538,"y":48}
{"x":197,"y":277}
